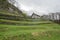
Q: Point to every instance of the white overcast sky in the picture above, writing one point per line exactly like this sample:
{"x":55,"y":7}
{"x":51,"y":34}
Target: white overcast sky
{"x":39,"y":6}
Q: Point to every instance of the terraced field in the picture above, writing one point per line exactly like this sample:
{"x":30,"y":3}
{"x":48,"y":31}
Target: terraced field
{"x":42,"y":30}
{"x":15,"y":25}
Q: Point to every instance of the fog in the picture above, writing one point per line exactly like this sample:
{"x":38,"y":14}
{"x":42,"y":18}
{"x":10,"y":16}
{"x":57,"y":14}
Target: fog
{"x":39,"y":6}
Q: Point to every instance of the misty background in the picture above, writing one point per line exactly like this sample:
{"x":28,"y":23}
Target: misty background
{"x":38,"y":6}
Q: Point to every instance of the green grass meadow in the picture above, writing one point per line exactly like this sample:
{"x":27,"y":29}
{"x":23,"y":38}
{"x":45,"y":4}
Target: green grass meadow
{"x":42,"y":31}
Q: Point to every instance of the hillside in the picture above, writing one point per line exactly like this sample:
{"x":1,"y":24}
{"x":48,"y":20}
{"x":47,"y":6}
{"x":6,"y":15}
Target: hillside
{"x":9,"y":12}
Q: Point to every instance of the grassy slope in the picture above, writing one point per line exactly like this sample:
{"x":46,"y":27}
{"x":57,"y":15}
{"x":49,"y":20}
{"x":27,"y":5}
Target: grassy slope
{"x":38,"y":31}
{"x":43,"y":30}
{"x":24,"y":22}
{"x":30,"y":32}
